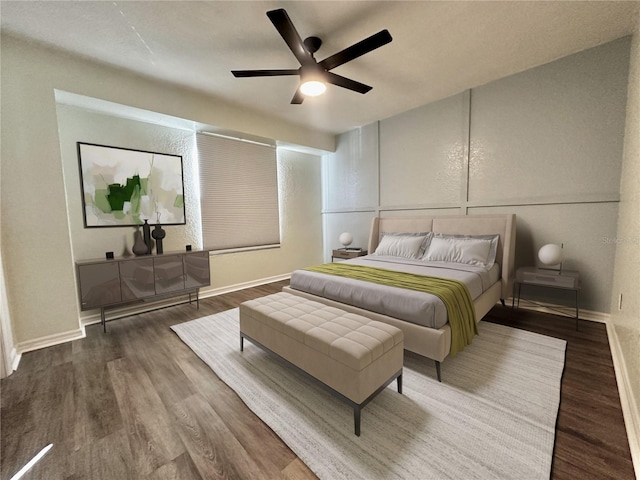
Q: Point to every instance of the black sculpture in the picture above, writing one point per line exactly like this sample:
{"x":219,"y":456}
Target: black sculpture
{"x":158,"y":234}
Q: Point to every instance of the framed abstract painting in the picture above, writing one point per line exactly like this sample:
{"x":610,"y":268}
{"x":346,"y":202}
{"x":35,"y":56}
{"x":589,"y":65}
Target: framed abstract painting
{"x":124,"y":187}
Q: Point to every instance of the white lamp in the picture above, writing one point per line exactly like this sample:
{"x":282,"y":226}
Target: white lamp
{"x":551,"y":254}
{"x":312,"y":80}
{"x":345,"y":239}
{"x":313,"y":88}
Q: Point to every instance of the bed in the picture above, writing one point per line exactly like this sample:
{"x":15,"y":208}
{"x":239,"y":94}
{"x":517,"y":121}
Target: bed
{"x":421,"y":316}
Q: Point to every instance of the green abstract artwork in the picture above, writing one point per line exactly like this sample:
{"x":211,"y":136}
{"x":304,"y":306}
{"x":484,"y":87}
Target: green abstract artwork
{"x":122,"y":187}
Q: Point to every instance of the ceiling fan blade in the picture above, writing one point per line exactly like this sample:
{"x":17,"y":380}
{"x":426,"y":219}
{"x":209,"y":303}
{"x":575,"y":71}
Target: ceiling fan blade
{"x":346,"y":83}
{"x":356,"y":50}
{"x":290,"y":35}
{"x":263,"y":73}
{"x":298,"y":97}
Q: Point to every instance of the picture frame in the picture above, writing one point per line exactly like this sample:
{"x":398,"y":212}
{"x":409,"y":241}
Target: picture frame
{"x":124,"y":187}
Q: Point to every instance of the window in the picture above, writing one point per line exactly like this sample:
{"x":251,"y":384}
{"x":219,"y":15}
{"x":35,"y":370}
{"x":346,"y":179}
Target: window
{"x":238,"y":193}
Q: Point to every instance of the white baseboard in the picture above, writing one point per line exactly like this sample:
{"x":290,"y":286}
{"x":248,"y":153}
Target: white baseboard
{"x":630,"y":409}
{"x":50,"y":340}
{"x":241,"y":286}
{"x":590,"y":315}
{"x":14,"y":357}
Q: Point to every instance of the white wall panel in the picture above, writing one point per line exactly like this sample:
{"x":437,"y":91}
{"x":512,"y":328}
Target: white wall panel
{"x":420,"y":212}
{"x":422,"y":154}
{"x":585,"y":229}
{"x":356,"y":223}
{"x":545,"y":144}
{"x":552,"y":131}
{"x":350,"y":175}
{"x":350,"y":187}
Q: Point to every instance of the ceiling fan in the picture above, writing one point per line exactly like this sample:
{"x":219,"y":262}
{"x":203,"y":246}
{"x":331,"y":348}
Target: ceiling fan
{"x":313,"y":73}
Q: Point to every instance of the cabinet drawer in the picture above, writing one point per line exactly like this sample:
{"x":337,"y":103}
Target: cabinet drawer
{"x":99,"y":285}
{"x":136,"y":278}
{"x":169,"y":273}
{"x":196,"y":270}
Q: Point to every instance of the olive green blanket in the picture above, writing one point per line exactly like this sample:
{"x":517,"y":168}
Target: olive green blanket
{"x":453,"y":293}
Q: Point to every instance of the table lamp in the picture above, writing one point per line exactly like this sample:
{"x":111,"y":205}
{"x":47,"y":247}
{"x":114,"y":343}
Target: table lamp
{"x":346,"y":239}
{"x":551,"y":255}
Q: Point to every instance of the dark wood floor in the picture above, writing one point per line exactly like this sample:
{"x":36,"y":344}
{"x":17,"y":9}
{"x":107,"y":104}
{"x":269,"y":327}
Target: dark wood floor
{"x":136,"y":403}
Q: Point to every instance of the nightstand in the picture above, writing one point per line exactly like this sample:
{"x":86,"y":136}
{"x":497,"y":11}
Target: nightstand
{"x":347,"y":253}
{"x":540,"y":277}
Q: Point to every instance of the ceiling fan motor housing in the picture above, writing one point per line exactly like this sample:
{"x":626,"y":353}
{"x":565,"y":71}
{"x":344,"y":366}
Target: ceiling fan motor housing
{"x":312,"y":44}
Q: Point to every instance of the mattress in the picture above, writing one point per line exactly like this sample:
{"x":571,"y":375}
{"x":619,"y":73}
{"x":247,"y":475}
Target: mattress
{"x":408,"y":305}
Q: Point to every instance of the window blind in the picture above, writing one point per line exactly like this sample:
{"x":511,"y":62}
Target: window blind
{"x":238,"y":193}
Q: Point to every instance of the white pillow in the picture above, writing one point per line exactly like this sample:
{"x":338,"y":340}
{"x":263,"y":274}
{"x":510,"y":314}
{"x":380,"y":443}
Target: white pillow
{"x":479,"y":250}
{"x":407,"y":246}
{"x":425,"y":242}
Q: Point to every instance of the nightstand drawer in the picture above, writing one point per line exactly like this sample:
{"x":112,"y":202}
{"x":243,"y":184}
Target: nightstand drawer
{"x":346,"y":254}
{"x":549,"y":279}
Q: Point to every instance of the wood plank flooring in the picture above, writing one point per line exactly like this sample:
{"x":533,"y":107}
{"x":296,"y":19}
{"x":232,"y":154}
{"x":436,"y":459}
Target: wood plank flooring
{"x":136,"y":403}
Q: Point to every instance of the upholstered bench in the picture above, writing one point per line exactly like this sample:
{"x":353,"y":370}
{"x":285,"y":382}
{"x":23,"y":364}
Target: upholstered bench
{"x":353,"y":357}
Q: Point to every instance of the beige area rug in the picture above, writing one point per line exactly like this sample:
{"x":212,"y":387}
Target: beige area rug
{"x":493,"y":417}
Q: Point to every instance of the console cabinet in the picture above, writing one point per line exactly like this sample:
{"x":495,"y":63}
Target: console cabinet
{"x":109,"y":283}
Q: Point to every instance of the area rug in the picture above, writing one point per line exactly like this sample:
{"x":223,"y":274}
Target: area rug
{"x":492,"y":417}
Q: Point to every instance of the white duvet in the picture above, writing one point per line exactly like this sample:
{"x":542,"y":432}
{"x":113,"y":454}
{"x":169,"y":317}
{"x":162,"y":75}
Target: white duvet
{"x":408,"y":305}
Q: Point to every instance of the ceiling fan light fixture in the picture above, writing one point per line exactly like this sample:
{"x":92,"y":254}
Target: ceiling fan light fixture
{"x":313,"y":88}
{"x":315,"y":75}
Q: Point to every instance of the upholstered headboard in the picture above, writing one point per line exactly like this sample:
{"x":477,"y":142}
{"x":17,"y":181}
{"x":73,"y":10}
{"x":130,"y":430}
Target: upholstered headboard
{"x":503,"y":225}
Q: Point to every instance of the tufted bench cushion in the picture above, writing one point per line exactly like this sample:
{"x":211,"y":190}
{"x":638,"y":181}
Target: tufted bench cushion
{"x":353,"y":355}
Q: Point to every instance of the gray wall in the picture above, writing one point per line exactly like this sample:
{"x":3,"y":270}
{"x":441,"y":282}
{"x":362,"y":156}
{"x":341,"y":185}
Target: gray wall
{"x":545,"y":144}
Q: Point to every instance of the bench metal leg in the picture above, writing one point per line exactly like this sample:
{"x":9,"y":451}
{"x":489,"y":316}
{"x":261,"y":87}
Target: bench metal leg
{"x":399,"y":380}
{"x":356,"y":419}
{"x":438,"y":371}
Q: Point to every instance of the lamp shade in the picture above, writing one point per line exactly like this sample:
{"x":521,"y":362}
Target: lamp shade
{"x":550,"y":254}
{"x":346,"y":239}
{"x":313,"y":88}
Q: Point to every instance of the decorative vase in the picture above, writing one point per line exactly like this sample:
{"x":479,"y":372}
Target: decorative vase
{"x":158,"y":234}
{"x":139,"y":246}
{"x":147,"y":235}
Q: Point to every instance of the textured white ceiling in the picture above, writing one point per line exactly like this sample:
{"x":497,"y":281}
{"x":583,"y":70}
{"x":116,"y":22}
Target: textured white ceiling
{"x":438,"y":48}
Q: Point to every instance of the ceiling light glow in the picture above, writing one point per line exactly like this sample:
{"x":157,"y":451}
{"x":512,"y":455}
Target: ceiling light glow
{"x":313,"y":88}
